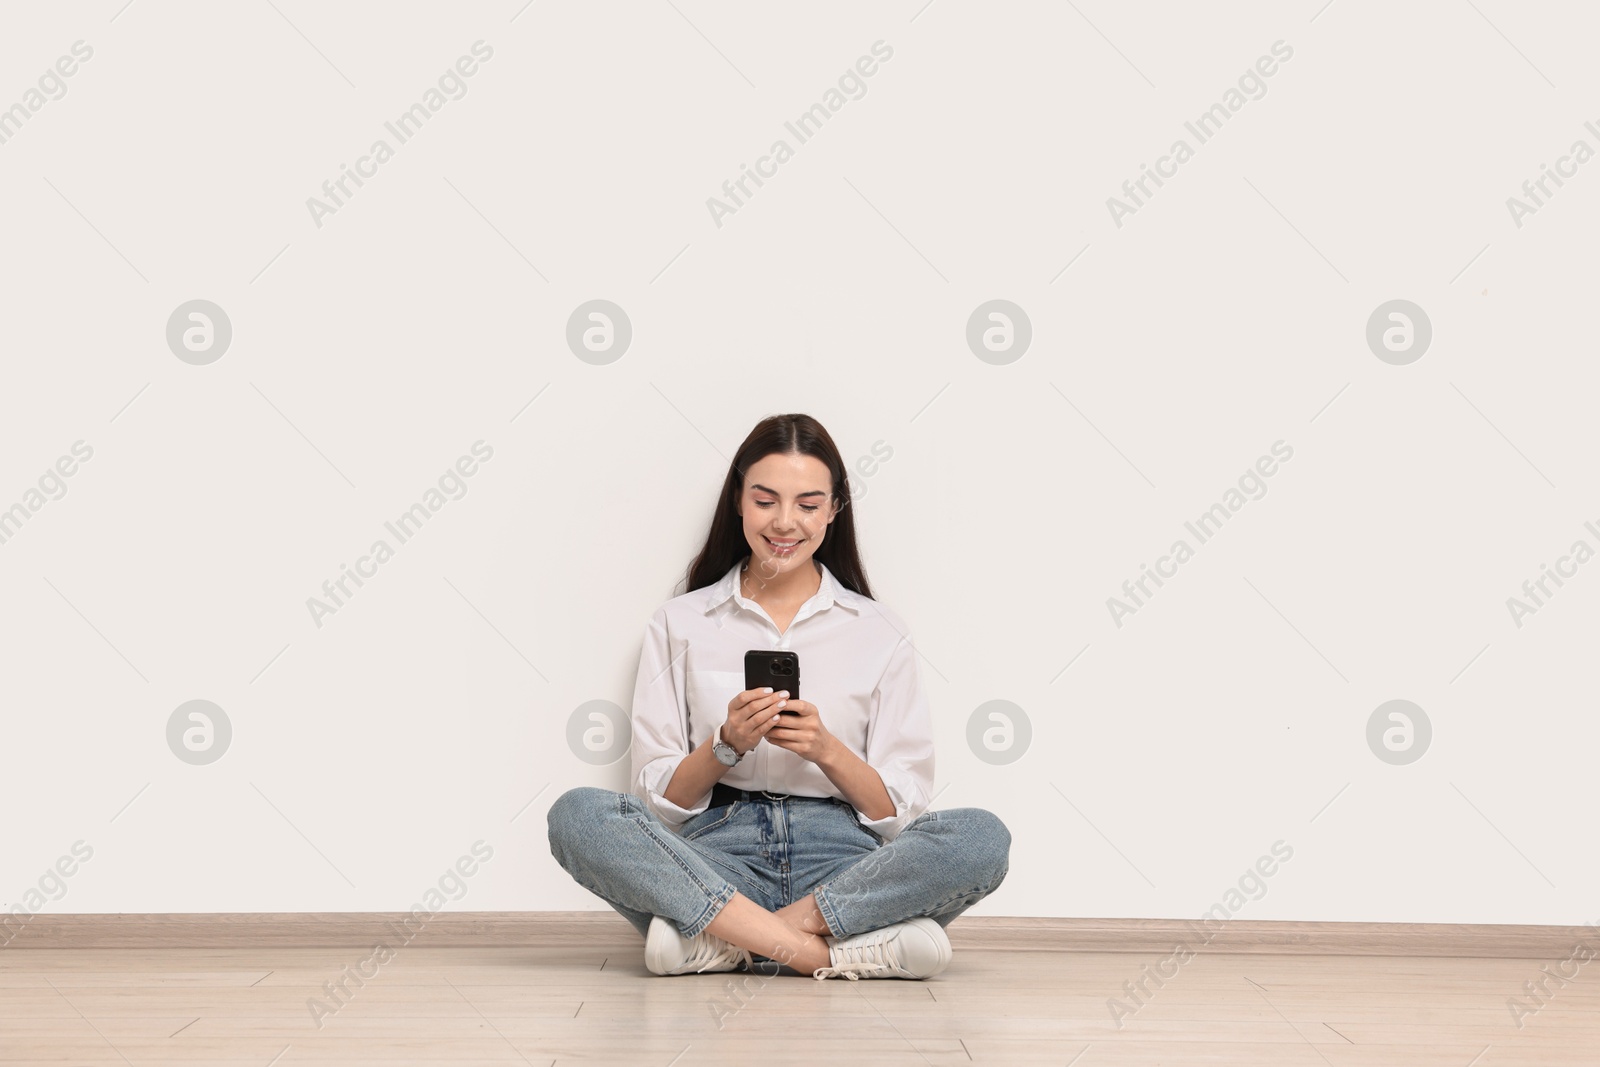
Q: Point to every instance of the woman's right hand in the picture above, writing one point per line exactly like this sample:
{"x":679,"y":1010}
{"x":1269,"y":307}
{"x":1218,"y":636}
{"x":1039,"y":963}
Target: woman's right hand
{"x":750,"y":715}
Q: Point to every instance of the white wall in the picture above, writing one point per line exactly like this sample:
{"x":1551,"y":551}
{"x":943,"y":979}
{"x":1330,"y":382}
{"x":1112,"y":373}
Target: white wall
{"x":370,"y":352}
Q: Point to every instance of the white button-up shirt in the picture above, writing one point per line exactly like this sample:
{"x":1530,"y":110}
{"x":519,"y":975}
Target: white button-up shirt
{"x":857,"y":665}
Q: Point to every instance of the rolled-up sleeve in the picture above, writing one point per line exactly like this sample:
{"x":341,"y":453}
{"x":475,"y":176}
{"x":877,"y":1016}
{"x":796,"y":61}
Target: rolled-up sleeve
{"x":900,"y":741}
{"x":660,"y":723}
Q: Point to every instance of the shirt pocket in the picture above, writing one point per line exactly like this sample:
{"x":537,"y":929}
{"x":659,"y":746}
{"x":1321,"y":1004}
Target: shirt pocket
{"x":709,"y":693}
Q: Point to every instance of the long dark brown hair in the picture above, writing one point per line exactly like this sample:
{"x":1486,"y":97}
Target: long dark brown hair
{"x":725,"y":544}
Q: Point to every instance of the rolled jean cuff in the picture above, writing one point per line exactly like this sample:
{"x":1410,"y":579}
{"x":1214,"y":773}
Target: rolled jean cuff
{"x":716,"y":895}
{"x":719,"y":900}
{"x":829,"y":915}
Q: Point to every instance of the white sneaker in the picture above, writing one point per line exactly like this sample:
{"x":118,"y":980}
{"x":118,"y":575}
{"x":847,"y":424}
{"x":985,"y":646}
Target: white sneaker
{"x":666,"y":951}
{"x":916,"y":948}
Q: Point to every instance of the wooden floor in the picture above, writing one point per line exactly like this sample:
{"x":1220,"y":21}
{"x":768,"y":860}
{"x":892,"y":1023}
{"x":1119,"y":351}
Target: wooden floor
{"x":597,"y":1004}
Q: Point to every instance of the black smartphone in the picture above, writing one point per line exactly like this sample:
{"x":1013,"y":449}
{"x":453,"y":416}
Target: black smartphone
{"x":777,"y":668}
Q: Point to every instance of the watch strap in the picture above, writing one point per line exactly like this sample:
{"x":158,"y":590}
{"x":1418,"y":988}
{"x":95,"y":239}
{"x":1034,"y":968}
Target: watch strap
{"x":736,"y":753}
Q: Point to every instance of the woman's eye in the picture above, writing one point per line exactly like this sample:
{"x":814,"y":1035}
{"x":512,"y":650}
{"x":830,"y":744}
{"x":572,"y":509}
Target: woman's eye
{"x":769,"y":503}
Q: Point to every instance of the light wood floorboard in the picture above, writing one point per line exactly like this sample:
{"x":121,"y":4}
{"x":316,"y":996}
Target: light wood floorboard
{"x":596,"y":1004}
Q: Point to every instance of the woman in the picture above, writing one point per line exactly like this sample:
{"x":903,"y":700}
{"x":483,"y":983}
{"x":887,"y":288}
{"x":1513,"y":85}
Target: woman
{"x":768,"y":830}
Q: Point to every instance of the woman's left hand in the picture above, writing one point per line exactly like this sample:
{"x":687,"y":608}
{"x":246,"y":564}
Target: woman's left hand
{"x":802,"y":733}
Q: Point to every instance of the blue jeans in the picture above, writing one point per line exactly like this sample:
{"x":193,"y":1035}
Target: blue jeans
{"x":775,"y":852}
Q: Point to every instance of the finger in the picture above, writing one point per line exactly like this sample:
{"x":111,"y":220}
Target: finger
{"x":747,"y":697}
{"x":760,"y":711}
{"x":761,"y":704}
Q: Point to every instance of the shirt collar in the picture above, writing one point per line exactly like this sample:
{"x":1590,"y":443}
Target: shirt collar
{"x":829,"y":593}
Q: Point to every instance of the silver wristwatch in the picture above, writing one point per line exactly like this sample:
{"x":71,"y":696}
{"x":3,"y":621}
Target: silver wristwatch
{"x":725,"y":753}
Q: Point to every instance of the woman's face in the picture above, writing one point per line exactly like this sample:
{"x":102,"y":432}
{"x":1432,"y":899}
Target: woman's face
{"x":787,"y":499}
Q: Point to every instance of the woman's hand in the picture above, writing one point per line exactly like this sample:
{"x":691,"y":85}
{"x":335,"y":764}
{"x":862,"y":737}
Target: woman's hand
{"x":750,"y":715}
{"x":802,"y":733}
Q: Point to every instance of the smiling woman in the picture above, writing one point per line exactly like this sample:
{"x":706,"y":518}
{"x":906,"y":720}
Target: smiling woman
{"x":818,"y":851}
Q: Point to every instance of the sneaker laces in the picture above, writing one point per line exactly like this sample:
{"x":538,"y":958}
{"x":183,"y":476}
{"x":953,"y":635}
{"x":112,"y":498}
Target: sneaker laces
{"x":709,"y":950}
{"x":852,"y":961}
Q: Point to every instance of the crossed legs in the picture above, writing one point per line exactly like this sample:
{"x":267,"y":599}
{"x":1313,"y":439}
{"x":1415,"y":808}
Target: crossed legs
{"x":942,"y":864}
{"x":792,"y":935}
